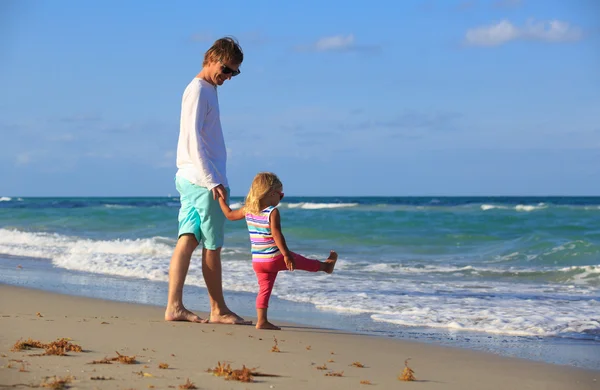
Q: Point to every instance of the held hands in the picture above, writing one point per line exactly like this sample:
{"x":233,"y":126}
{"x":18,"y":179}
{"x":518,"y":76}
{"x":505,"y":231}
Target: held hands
{"x":290,"y":263}
{"x":219,"y":191}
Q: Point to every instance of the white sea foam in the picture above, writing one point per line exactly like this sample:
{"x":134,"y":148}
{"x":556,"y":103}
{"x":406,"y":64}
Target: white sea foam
{"x":5,"y":199}
{"x":388,"y":268}
{"x":584,"y":274}
{"x":522,"y":207}
{"x":315,"y":206}
{"x":519,"y":207}
{"x":504,"y":317}
{"x":485,"y":207}
{"x":235,"y":205}
{"x":397,"y":294}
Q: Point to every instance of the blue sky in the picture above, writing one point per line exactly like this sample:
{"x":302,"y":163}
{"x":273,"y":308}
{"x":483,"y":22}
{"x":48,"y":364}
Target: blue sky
{"x":390,"y":98}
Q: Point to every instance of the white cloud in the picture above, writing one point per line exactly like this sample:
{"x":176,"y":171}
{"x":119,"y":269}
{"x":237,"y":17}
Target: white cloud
{"x":504,"y":31}
{"x":337,"y":43}
{"x":23,"y":158}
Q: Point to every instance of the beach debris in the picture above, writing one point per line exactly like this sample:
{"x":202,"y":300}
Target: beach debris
{"x":56,"y":382}
{"x":19,"y":266}
{"x":308,"y":347}
{"x":104,"y":323}
{"x":333,"y":373}
{"x":358,"y":364}
{"x":39,"y":314}
{"x":332,"y":353}
{"x":243,"y":375}
{"x":23,"y":369}
{"x":120,"y":358}
{"x":275,"y":347}
{"x":27,"y":344}
{"x":124,"y":359}
{"x":408,"y":373}
{"x":163,"y":366}
{"x":101,"y":378}
{"x":225,"y":370}
{"x":101,"y":361}
{"x":146,"y":374}
{"x":187,"y":385}
{"x":330,"y":361}
{"x":60,"y":347}
{"x":365,"y":382}
{"x":173,"y":354}
{"x":323,"y":367}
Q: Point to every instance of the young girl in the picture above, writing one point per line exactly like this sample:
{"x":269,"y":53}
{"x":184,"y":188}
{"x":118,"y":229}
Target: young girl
{"x":270,"y":253}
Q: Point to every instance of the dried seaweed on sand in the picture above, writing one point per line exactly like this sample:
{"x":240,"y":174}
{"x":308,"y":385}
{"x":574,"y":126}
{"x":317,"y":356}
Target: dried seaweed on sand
{"x":119,"y":358}
{"x":60,"y":347}
{"x":243,"y":375}
{"x":275,"y":348}
{"x":408,"y":373}
{"x":57,"y":382}
{"x":187,"y":385}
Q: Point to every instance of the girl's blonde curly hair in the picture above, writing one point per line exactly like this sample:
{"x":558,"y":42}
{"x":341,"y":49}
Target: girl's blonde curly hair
{"x":263,"y":183}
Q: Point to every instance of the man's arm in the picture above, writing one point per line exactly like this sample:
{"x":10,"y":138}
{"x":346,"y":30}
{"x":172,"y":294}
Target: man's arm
{"x":275,"y":224}
{"x":232,"y":215}
{"x":197,"y":151}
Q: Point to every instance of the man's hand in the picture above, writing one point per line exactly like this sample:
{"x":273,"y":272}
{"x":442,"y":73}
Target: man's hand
{"x":219,"y":191}
{"x":290,"y":263}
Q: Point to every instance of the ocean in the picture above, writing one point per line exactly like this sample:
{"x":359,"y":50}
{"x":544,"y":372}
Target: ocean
{"x":518,"y":276}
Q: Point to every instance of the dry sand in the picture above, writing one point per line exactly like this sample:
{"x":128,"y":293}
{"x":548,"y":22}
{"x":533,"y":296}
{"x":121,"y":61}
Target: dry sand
{"x":103,"y":328}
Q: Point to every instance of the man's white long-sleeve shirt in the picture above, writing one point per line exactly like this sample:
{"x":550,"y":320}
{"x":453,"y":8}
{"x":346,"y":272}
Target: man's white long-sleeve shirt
{"x":201,"y":152}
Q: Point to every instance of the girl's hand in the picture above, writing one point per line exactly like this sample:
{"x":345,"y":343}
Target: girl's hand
{"x":290,"y":263}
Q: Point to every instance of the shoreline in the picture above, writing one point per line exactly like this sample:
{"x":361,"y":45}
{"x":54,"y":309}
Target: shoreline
{"x":40,"y":274}
{"x":103,"y":328}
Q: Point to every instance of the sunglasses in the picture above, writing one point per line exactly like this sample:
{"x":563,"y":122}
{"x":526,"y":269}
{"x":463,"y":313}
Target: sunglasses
{"x":280,"y":194}
{"x":227,"y":70}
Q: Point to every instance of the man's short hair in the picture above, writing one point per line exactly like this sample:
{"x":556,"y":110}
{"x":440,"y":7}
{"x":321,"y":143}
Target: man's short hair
{"x":226,"y":50}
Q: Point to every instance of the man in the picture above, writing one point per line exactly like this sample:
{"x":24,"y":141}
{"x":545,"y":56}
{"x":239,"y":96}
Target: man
{"x":201,"y":178}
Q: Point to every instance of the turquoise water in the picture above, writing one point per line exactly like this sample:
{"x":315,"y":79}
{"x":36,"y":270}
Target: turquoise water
{"x":500,"y":267}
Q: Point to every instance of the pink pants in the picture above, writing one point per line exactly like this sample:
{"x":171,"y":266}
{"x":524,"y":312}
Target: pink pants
{"x":266,"y":272}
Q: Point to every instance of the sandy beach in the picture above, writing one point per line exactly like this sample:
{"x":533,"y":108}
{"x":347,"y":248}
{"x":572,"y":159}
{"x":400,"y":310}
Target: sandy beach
{"x":307,"y":357}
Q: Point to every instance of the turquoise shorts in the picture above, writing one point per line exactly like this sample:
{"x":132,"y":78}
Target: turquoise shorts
{"x":200,"y":214}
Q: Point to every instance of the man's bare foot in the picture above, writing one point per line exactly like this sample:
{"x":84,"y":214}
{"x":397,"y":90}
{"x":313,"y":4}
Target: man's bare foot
{"x":330,"y":262}
{"x":228,"y":318}
{"x":267,"y":325}
{"x":182,"y":314}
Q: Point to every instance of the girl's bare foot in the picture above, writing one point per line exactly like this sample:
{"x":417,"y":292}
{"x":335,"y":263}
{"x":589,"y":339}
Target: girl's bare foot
{"x":330,"y":262}
{"x":267,"y":325}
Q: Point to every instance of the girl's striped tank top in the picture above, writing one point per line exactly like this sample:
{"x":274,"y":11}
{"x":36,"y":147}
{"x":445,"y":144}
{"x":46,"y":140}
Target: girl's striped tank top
{"x":261,"y":239}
